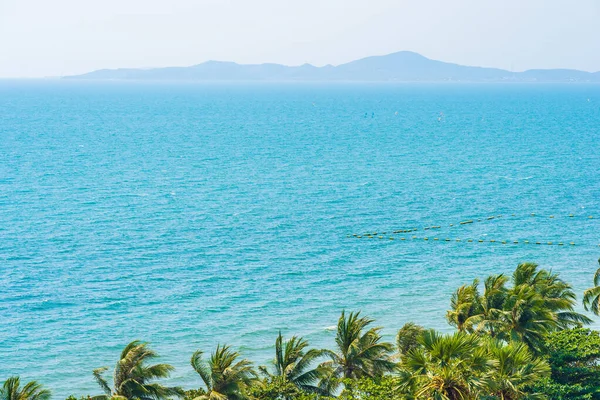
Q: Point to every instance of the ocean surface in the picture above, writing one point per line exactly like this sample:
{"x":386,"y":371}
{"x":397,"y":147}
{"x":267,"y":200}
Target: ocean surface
{"x":192,"y":214}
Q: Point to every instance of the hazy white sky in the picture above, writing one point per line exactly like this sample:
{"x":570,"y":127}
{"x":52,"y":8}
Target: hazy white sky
{"x":62,"y":37}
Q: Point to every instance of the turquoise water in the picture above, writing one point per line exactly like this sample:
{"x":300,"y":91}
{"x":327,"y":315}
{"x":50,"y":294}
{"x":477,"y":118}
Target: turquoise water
{"x":191,"y":215}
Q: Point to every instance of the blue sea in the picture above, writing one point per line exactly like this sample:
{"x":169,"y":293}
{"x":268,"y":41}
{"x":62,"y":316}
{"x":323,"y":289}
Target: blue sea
{"x":193,"y":214}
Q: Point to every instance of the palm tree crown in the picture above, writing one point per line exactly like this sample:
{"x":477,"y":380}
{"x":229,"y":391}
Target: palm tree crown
{"x":558,"y":296}
{"x":225,"y":377}
{"x":464,"y":307}
{"x":11,"y":390}
{"x":133,"y":377}
{"x":293,"y":363}
{"x":449,"y":367}
{"x":515,"y":367}
{"x":408,"y":336}
{"x":359,"y":353}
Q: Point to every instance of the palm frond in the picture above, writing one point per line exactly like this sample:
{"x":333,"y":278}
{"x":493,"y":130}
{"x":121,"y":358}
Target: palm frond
{"x":202,"y":369}
{"x":11,"y":390}
{"x":133,"y":378}
{"x":101,"y":381}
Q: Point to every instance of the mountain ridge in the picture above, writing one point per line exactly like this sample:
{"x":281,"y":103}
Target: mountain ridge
{"x":402,"y":66}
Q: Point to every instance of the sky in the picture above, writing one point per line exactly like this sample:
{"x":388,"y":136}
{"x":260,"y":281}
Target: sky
{"x":41,"y":38}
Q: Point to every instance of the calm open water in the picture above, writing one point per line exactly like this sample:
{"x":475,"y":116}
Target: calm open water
{"x":190,"y":215}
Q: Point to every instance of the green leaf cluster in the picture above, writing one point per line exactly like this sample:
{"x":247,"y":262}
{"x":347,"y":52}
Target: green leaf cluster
{"x":574,"y":357}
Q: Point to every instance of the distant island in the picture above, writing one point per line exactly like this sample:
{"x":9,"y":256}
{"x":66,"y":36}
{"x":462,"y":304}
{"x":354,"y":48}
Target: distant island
{"x":403,"y":66}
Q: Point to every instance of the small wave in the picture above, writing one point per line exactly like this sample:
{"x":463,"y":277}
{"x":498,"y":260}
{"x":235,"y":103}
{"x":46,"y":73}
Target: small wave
{"x":50,"y":305}
{"x":509,"y":178}
{"x":330,"y":328}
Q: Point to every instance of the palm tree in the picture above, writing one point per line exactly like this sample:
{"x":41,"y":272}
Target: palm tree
{"x":446,"y":367}
{"x":525,"y":317}
{"x":11,"y":390}
{"x":225,"y":377}
{"x":538,"y":303}
{"x":490,"y":305}
{"x":464,"y":305}
{"x":559,"y":297}
{"x":408,"y":337}
{"x":133,"y":377}
{"x":515,"y":368}
{"x":359,"y":353}
{"x":591,"y":297}
{"x":293,"y":364}
{"x":474,"y":312}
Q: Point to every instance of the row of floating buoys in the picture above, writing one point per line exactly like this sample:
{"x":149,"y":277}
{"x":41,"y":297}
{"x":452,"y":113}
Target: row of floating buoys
{"x":471,"y":221}
{"x":415,"y":238}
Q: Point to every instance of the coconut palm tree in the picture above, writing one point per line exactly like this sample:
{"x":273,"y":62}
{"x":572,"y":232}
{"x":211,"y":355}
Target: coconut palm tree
{"x":474,"y":312}
{"x":490,"y":306}
{"x":515,"y":368}
{"x":133,"y":376}
{"x":591,"y":296}
{"x":12,"y":390}
{"x":447,"y":367}
{"x":559,"y":297}
{"x":295,"y":364}
{"x":464,"y":305}
{"x":225,"y":377}
{"x":408,"y":337}
{"x":537,"y":303}
{"x":360,"y":352}
{"x":525,"y":317}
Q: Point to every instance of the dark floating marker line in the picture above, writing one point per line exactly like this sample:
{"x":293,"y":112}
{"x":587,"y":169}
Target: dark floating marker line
{"x":384,"y":234}
{"x":459,"y":240}
{"x":479,"y":219}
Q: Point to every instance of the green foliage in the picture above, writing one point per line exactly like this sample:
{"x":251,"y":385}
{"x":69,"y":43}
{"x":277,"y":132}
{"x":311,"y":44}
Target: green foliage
{"x":133,"y":377}
{"x":591,"y":297}
{"x":275,"y":388}
{"x":446,"y":367}
{"x":225,"y":377}
{"x":552,"y":390}
{"x":408,"y":336}
{"x":193,"y":393}
{"x":381,"y":388}
{"x":295,"y":364}
{"x":575,"y":353}
{"x":574,"y":358}
{"x":386,"y":387}
{"x":279,"y":389}
{"x":468,"y":366}
{"x":360,"y":352}
{"x":464,"y":307}
{"x":538,"y":303}
{"x":12,"y":390}
{"x":514,"y":369}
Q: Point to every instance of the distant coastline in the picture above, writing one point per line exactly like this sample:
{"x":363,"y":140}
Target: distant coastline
{"x":403,"y":66}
